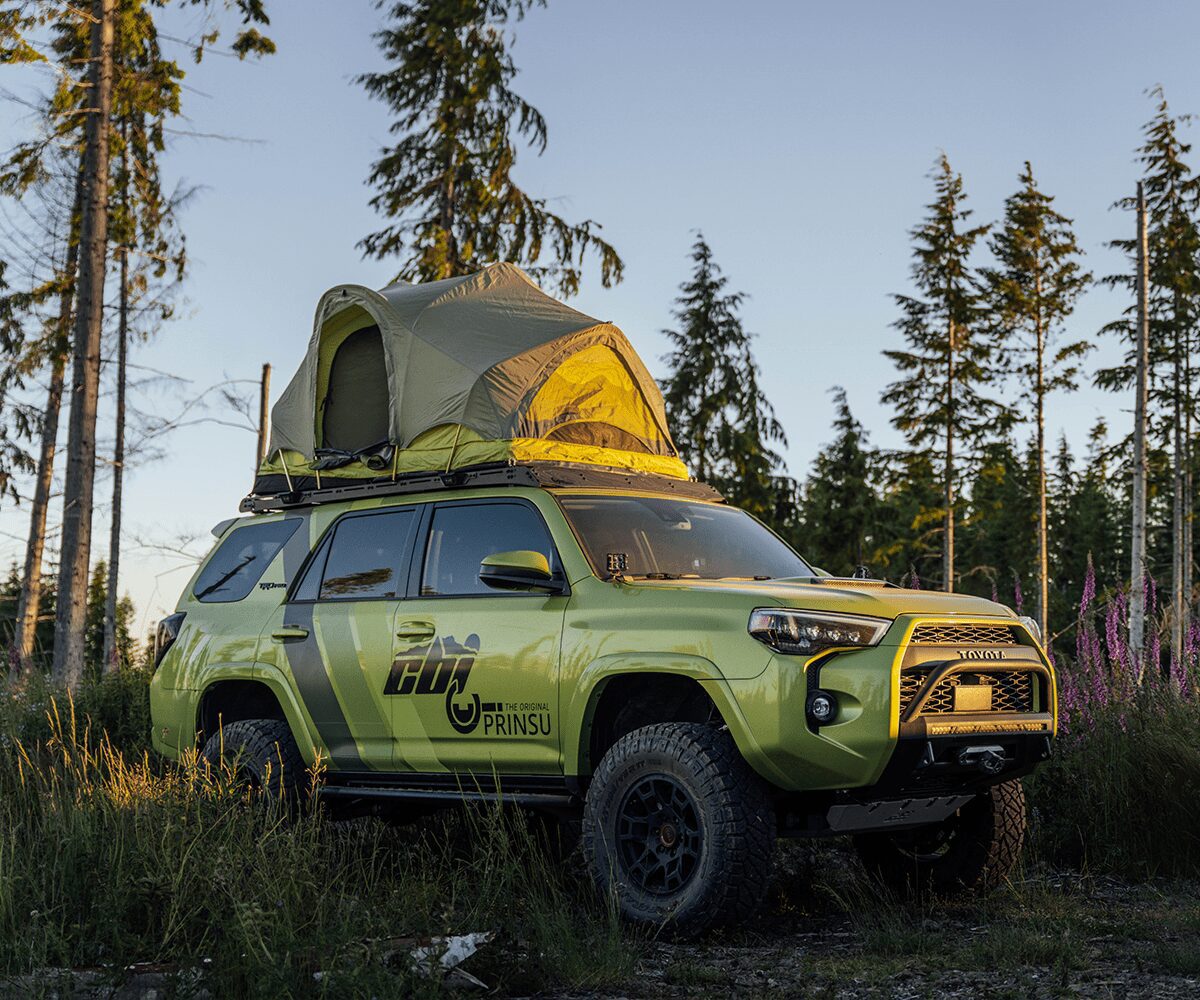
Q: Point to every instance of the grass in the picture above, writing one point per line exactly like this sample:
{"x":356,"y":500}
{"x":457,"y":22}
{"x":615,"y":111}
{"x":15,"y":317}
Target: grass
{"x":1122,"y":794}
{"x":110,"y":858}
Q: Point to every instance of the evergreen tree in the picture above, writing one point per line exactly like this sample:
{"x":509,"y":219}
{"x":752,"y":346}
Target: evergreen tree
{"x":94,"y":626}
{"x":722,"y":423}
{"x":1032,"y":291}
{"x":910,"y":518}
{"x":446,"y":186}
{"x":841,"y":509}
{"x":1172,"y":201}
{"x":939,"y":397}
{"x":999,"y":536}
{"x":1090,"y":520}
{"x":87,"y":326}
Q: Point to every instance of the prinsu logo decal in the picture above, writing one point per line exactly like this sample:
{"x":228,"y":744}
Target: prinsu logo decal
{"x":443,"y":667}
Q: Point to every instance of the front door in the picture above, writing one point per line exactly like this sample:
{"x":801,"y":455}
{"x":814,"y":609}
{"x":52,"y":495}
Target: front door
{"x":338,"y":632}
{"x":475,"y":684}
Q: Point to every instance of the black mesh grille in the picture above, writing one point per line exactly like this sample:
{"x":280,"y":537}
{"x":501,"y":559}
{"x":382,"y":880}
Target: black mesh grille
{"x":1012,"y":690}
{"x":941,"y":634}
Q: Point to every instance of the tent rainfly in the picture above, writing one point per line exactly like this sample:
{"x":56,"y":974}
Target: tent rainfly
{"x":456,"y":373}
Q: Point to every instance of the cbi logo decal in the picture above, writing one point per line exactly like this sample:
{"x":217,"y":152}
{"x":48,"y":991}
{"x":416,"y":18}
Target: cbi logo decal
{"x":443,"y":667}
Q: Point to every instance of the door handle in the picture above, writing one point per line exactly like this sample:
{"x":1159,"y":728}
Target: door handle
{"x":289,"y":632}
{"x":416,"y":630}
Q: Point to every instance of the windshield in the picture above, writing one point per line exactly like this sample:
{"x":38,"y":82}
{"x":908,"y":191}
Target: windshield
{"x":664,"y":539}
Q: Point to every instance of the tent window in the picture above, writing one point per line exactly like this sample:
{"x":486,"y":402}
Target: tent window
{"x":356,"y":403}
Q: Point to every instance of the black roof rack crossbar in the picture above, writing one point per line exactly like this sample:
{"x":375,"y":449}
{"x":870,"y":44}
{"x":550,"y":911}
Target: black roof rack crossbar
{"x":273,"y":493}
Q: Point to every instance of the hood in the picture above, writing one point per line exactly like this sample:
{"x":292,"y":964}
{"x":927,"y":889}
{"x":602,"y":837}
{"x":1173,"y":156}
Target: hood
{"x":849,"y":596}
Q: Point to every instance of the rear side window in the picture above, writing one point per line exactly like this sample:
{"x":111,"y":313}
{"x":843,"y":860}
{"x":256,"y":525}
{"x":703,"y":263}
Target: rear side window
{"x":462,"y":535}
{"x":364,"y":559}
{"x":241,"y":559}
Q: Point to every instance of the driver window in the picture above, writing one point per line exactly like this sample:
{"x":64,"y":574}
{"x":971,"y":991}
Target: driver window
{"x":462,"y":535}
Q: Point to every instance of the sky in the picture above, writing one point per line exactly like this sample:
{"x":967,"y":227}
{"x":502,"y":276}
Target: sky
{"x":797,"y":136}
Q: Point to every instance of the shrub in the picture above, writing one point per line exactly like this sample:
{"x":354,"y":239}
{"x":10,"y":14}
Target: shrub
{"x":1122,"y":792}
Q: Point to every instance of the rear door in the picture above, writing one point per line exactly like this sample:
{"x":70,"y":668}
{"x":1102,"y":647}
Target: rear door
{"x":337,"y":631}
{"x":475,"y":683}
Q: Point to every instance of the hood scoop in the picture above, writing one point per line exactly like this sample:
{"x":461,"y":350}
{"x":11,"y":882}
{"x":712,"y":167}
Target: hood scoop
{"x":839,"y":581}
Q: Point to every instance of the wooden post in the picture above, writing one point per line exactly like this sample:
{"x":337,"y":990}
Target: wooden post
{"x":264,"y":416}
{"x":1137,"y":546}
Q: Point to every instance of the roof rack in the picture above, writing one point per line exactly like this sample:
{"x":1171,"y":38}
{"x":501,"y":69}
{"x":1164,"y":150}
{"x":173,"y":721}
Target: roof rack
{"x":273,"y":493}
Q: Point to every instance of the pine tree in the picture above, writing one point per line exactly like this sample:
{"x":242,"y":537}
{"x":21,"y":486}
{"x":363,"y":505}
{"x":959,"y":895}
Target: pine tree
{"x":146,"y":95}
{"x":910,"y":517}
{"x":1031,"y":292}
{"x":949,"y":360}
{"x":1173,"y":201}
{"x":999,"y":533}
{"x":94,"y":235}
{"x":841,"y":509}
{"x":1088,"y":521}
{"x":446,"y":186}
{"x":721,"y":421}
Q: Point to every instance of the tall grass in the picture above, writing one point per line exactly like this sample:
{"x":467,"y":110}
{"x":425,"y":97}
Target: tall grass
{"x":110,"y":858}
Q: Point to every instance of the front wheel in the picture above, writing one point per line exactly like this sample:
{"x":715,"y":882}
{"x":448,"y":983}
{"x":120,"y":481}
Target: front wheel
{"x":974,"y":849}
{"x":679,"y":828}
{"x":261,"y":753}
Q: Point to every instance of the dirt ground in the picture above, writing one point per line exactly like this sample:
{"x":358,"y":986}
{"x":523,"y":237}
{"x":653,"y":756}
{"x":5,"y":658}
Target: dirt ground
{"x":827,"y":933}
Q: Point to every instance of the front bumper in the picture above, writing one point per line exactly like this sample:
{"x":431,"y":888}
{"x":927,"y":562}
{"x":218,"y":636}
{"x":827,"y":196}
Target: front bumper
{"x":882,"y":740}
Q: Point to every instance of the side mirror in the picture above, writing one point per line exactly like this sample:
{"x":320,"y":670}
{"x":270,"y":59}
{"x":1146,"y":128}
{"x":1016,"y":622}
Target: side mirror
{"x":520,"y":570}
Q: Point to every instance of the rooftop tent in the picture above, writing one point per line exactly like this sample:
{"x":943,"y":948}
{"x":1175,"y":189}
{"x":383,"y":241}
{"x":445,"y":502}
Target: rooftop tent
{"x":455,"y":373}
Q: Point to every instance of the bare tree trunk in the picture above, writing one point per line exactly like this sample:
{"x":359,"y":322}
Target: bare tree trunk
{"x":1043,"y":571}
{"x":948,"y":542}
{"x":85,"y":389}
{"x":30,"y":599}
{"x":111,"y":653}
{"x":1137,"y":546}
{"x":1189,"y":498}
{"x":1178,"y":604}
{"x":264,"y":416}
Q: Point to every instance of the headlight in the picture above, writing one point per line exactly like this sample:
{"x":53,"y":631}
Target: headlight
{"x":803,"y":633}
{"x":1031,"y":626}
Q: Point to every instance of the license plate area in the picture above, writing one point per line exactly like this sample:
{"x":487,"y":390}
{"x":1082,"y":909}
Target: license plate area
{"x":973,"y":698}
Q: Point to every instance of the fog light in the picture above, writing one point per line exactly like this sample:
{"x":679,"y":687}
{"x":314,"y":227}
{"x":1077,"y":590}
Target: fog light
{"x":821,"y":708}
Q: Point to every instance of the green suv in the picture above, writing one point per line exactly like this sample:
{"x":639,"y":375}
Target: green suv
{"x":622,"y":648}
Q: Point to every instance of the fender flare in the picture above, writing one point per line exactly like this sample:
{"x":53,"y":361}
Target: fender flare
{"x":589,"y":688}
{"x":273,"y":679}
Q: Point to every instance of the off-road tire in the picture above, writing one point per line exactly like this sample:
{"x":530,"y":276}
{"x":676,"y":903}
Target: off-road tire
{"x":731,"y":819}
{"x":976,"y":849}
{"x":263,"y":753}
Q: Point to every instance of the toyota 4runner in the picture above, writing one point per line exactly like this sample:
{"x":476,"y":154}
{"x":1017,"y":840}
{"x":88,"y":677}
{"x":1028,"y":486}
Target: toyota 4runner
{"x":623,"y":647}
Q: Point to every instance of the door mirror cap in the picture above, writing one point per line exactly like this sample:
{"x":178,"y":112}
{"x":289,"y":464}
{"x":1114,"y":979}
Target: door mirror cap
{"x":520,"y":570}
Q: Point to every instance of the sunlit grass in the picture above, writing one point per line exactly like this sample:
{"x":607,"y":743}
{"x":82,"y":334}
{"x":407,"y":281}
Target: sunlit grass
{"x":110,"y":858}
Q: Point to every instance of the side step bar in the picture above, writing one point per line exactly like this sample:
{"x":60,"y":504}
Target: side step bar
{"x":388,"y":793}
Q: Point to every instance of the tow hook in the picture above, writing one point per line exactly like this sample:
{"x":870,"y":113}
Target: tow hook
{"x":988,"y":759}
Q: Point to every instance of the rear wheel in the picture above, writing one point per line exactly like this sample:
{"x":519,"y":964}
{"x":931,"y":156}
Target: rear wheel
{"x":974,"y":849}
{"x":679,"y":828}
{"x":263,"y":754}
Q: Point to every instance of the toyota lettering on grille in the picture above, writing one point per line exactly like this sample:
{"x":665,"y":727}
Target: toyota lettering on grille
{"x":981,"y":654}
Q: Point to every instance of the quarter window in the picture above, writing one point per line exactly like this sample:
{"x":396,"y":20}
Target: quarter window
{"x":462,"y":535}
{"x":241,"y":559}
{"x":363,"y":560}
